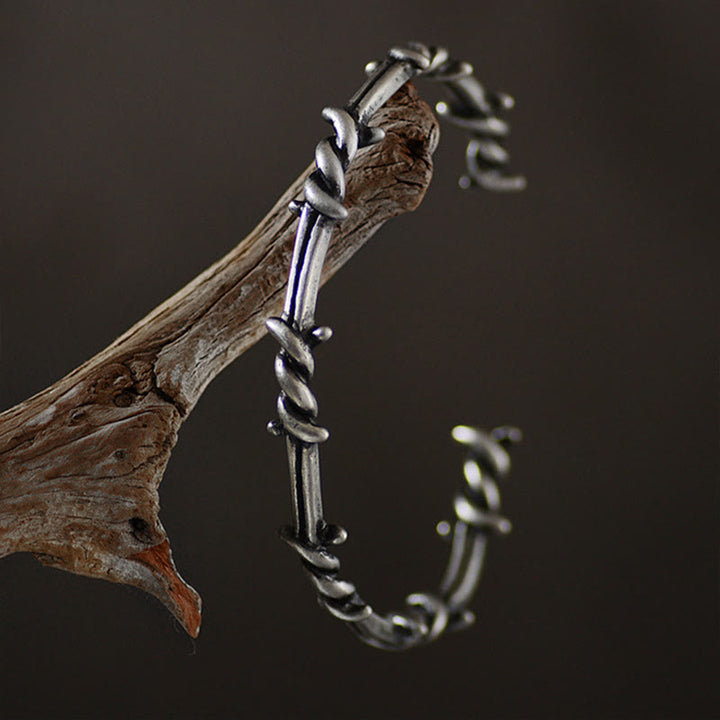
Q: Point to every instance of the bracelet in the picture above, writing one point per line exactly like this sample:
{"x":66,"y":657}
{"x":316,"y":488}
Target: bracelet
{"x":477,"y":506}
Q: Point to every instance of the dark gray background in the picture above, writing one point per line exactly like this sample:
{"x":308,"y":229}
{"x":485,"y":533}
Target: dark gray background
{"x":139,"y":141}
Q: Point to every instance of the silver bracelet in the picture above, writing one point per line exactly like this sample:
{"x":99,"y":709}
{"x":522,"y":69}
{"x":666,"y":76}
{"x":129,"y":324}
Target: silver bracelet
{"x":477,"y":506}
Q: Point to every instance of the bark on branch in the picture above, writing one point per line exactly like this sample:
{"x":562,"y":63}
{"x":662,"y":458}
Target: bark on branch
{"x":81,"y":462}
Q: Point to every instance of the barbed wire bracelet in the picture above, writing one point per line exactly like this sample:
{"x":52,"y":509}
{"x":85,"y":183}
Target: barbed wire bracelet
{"x":477,"y":508}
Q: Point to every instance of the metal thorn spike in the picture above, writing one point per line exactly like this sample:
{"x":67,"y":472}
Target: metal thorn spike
{"x":322,"y":334}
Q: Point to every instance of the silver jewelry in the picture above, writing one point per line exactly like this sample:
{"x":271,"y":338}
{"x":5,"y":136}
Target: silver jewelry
{"x":477,"y":507}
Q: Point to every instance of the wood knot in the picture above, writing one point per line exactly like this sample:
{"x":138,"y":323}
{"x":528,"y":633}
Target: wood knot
{"x":141,"y":530}
{"x":77,"y":416}
{"x":123,"y":399}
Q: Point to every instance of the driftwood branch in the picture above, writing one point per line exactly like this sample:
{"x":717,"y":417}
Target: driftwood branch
{"x":81,"y":462}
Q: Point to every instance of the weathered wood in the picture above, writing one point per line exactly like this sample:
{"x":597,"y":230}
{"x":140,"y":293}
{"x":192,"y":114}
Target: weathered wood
{"x":81,"y":462}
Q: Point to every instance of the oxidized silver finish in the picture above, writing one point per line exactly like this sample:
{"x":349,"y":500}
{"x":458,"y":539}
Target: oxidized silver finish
{"x":477,"y":506}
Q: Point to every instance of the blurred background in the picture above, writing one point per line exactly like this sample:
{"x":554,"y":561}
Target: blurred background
{"x":140,"y":141}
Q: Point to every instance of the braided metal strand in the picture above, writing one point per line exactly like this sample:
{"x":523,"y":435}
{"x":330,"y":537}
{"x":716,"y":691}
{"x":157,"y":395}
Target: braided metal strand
{"x":477,"y":507}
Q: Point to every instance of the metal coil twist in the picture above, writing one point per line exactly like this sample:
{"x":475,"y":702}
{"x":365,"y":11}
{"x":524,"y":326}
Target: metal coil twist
{"x":325,"y":188}
{"x":338,"y":596}
{"x":488,"y":461}
{"x":294,"y":367}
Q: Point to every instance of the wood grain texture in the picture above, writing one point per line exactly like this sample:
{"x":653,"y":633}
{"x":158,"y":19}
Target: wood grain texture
{"x":82,"y":461}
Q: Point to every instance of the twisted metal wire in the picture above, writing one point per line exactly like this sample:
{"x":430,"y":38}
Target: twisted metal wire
{"x":294,"y":367}
{"x":477,"y":506}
